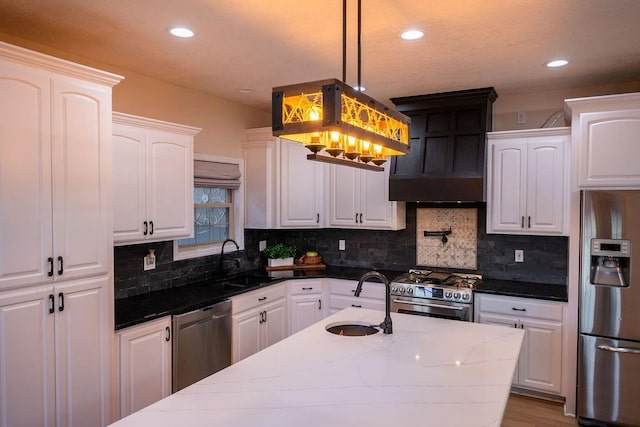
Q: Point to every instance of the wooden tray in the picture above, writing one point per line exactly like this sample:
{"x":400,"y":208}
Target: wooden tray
{"x":297,"y":267}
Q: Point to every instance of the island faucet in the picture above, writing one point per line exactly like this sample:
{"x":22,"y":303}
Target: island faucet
{"x":386,"y":325}
{"x":221,"y":262}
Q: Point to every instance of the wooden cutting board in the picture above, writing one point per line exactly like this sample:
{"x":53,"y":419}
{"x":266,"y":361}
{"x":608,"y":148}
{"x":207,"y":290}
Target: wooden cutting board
{"x":297,"y":267}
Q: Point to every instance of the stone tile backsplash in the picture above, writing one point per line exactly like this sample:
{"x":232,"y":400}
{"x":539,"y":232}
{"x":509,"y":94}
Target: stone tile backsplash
{"x":461,"y":247}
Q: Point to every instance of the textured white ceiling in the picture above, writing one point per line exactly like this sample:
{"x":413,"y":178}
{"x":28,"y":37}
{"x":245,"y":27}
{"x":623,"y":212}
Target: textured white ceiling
{"x":259,"y":44}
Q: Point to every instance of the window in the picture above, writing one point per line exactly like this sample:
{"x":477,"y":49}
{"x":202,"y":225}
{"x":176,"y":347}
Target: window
{"x":217,"y":212}
{"x":213,"y":216}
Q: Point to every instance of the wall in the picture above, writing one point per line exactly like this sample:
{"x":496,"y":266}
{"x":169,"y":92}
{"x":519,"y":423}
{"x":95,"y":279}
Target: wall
{"x":223,"y":123}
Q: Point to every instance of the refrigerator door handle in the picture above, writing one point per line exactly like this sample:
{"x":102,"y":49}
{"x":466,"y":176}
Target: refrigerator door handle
{"x":619,"y":349}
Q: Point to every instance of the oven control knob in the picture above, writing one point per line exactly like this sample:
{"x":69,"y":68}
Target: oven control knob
{"x":456,"y":295}
{"x":394,"y":289}
{"x":409,"y":291}
{"x":465,"y":296}
{"x":448,"y":294}
{"x":401,"y":289}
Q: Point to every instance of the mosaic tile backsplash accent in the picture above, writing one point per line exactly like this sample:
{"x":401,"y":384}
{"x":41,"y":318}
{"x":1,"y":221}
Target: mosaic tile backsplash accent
{"x":461,"y":247}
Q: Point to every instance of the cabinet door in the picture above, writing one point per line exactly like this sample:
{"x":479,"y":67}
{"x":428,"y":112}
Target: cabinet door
{"x":82,"y":352}
{"x":27,"y":363}
{"x":507,"y":174}
{"x":25,"y":177}
{"x":300,"y":187}
{"x":540,"y":364}
{"x":129,"y":183}
{"x":81,"y":129}
{"x":376,"y":209}
{"x":509,"y":322}
{"x":246,"y":339}
{"x":545,"y":185}
{"x":145,"y":365}
{"x":608,"y":146}
{"x":170,"y":185}
{"x":344,"y":201}
{"x":304,"y":311}
{"x":274,"y":327}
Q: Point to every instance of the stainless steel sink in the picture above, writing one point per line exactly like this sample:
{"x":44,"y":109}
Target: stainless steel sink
{"x":352,"y":329}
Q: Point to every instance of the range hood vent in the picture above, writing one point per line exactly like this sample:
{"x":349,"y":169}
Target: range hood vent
{"x":447,"y":139}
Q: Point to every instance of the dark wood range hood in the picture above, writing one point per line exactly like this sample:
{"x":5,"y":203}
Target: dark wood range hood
{"x":447,"y":140}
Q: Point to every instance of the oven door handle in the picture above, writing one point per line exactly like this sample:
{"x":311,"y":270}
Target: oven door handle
{"x":423,"y":304}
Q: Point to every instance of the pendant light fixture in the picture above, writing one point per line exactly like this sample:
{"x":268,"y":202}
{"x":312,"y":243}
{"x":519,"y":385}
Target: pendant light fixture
{"x":329,"y":116}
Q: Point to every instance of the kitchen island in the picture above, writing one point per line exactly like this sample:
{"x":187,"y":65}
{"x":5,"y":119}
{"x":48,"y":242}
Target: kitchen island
{"x":430,"y":371}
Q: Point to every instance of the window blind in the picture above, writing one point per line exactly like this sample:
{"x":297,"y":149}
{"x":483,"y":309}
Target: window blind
{"x":216,"y":174}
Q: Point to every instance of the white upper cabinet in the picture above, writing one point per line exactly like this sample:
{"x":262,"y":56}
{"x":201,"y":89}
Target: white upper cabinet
{"x":360,"y":199}
{"x":301,"y":187}
{"x":605,"y":131}
{"x":527,"y":185}
{"x":153,"y":179}
{"x":55,"y":170}
{"x":285,"y":190}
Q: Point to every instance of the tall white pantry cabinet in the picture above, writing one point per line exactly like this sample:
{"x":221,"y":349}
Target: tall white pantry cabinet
{"x":56,"y":262}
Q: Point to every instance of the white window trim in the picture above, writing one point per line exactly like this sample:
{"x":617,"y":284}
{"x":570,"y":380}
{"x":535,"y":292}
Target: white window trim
{"x":180,"y":253}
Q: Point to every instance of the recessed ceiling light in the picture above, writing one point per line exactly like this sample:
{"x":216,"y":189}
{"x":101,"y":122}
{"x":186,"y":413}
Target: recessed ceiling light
{"x":245,"y":90}
{"x":360,"y":88}
{"x":181,"y":32}
{"x":557,"y":63}
{"x":412,"y":35}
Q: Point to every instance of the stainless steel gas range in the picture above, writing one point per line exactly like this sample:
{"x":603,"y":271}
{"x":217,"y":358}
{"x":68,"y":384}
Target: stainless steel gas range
{"x":447,"y":295}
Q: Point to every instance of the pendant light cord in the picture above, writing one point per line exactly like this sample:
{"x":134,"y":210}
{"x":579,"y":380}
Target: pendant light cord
{"x":344,"y":42}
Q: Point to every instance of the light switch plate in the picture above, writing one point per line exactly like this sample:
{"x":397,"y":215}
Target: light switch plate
{"x":262,"y":245}
{"x":149,"y":262}
{"x":519,"y":255}
{"x":341,"y":245}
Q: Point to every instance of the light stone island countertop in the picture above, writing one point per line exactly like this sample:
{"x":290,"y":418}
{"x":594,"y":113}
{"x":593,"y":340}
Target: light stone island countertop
{"x":429,"y":372}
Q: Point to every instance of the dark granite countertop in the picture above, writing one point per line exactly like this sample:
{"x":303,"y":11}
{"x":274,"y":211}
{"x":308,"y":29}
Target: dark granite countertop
{"x":514,"y":288}
{"x":141,"y":308}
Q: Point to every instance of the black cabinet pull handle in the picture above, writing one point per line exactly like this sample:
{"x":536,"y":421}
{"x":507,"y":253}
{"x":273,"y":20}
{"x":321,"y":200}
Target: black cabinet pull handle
{"x":60,"y":266}
{"x":529,"y":221}
{"x":262,"y":298}
{"x":151,"y":224}
{"x":356,"y":218}
{"x":167,"y":335}
{"x":356,"y":305}
{"x":515,"y":325}
{"x":60,"y":301}
{"x":52,"y":302}
{"x":518,"y":309}
{"x":317,"y":218}
{"x":307,"y":289}
{"x":319,"y":304}
{"x":146,"y":228}
{"x":50,"y":260}
{"x":360,"y":218}
{"x":522,"y":222}
{"x":265,"y":317}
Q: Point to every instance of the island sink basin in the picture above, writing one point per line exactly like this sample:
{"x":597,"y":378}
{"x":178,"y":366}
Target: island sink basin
{"x":352,"y":329}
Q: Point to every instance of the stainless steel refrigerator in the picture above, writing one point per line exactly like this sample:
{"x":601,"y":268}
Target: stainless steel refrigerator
{"x":609,"y":346}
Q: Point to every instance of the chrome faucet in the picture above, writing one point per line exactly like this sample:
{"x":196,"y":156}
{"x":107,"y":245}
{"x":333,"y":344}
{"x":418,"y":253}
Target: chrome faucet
{"x":386,"y":325}
{"x":221,"y":262}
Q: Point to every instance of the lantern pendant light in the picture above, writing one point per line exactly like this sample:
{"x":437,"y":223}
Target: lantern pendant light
{"x":329,"y":116}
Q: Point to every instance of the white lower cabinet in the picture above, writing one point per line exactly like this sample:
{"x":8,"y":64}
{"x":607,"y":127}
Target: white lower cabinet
{"x":54,"y":354}
{"x":145,"y":364}
{"x":259,"y":319}
{"x":342,"y":295}
{"x":306,"y":303}
{"x":540,"y":364}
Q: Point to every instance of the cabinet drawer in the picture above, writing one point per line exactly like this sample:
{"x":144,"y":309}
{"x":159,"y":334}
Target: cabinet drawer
{"x":340,"y":302}
{"x":305,"y":286}
{"x":373,"y":290}
{"x":257,"y":298}
{"x":520,"y":307}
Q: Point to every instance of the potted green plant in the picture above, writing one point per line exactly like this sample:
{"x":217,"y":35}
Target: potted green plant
{"x":279,"y":254}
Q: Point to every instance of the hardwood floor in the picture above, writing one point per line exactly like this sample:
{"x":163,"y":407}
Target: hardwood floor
{"x":525,"y":411}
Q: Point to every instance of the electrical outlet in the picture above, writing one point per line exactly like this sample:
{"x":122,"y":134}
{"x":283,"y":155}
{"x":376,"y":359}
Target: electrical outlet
{"x":150,"y":261}
{"x":341,"y":245}
{"x":519,"y":255}
{"x":522,"y":118}
{"x":262,"y":245}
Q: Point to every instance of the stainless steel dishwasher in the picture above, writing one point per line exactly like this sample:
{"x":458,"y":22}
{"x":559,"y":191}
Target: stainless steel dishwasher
{"x":201,"y":343}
